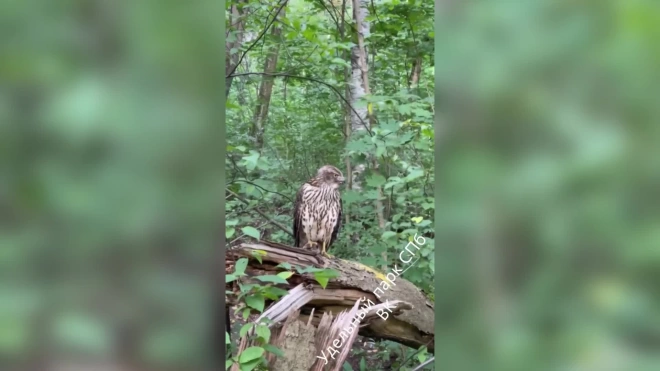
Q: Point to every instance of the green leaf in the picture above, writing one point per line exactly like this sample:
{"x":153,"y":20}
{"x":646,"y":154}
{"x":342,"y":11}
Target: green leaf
{"x":244,"y":329}
{"x":256,"y":301}
{"x":251,"y":231}
{"x":285,"y":275}
{"x":227,"y":339}
{"x":322,"y":280}
{"x":424,"y":223}
{"x":387,"y":234}
{"x":273,"y":349}
{"x":228,"y":363}
{"x":341,"y":62}
{"x":229,"y":278}
{"x":251,"y":160}
{"x":248,"y":366}
{"x":263,"y":332}
{"x":380,"y":150}
{"x":245,"y":287}
{"x":324,"y":276}
{"x":417,"y":219}
{"x":350,"y":197}
{"x":309,"y":34}
{"x":344,"y":46}
{"x":272,"y":278}
{"x":347,"y":367}
{"x":246,"y":313}
{"x":273,"y":293}
{"x":376,"y":180}
{"x":250,"y":354}
{"x":405,"y":109}
{"x":414,"y":174}
{"x":392,"y":182}
{"x":241,"y":264}
{"x":258,"y":254}
{"x":284,"y":265}
{"x":230,"y":232}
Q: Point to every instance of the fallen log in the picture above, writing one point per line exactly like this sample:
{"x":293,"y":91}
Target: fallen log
{"x":412,"y":319}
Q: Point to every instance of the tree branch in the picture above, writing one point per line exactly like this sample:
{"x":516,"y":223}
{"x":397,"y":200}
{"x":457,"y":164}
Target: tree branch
{"x":254,"y":43}
{"x":277,"y":224}
{"x":412,"y":355}
{"x":424,"y":364}
{"x":308,"y":79}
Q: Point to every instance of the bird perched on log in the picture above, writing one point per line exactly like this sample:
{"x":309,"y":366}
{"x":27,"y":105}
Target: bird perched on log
{"x":317,"y":210}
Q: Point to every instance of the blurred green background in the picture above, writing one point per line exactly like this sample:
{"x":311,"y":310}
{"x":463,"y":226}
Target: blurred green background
{"x":111,"y":140}
{"x":548,"y":176}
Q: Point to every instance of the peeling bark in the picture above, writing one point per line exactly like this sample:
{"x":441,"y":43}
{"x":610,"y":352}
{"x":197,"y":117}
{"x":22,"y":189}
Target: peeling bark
{"x":358,"y":89}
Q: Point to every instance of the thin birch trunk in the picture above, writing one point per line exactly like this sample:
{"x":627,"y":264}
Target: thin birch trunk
{"x":359,"y":118}
{"x":360,"y":88}
{"x":347,"y":109}
{"x":416,"y":70}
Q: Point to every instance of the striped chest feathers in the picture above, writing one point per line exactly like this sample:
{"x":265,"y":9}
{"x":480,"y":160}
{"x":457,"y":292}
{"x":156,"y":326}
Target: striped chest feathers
{"x":320,"y":207}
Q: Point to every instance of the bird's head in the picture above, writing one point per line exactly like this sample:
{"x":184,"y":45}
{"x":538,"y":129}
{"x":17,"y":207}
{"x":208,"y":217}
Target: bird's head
{"x":330,"y":176}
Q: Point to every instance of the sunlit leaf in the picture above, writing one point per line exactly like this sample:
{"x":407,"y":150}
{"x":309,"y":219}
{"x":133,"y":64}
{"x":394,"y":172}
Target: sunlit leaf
{"x":271,"y":278}
{"x":241,"y":264}
{"x":251,"y":231}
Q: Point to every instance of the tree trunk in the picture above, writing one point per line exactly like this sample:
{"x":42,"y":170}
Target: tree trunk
{"x":347,"y":109}
{"x":361,"y":75}
{"x":266,"y":86}
{"x":232,"y":47}
{"x":415,"y":72}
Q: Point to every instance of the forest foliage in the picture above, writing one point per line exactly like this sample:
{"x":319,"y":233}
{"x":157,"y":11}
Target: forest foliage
{"x":305,"y":127}
{"x":307,"y":51}
{"x":546,"y":168}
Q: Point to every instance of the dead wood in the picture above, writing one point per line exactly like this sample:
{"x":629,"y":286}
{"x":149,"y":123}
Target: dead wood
{"x":412,"y":319}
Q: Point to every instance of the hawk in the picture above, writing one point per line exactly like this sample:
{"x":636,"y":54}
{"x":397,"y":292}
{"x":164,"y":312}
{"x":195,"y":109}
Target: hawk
{"x":317,"y":211}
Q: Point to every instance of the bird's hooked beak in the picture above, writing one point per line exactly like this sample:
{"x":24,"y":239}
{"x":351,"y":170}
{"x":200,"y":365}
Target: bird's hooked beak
{"x":341,"y":180}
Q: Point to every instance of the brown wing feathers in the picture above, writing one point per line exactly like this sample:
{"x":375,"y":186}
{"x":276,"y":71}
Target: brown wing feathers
{"x":298,"y":232}
{"x":335,"y":231}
